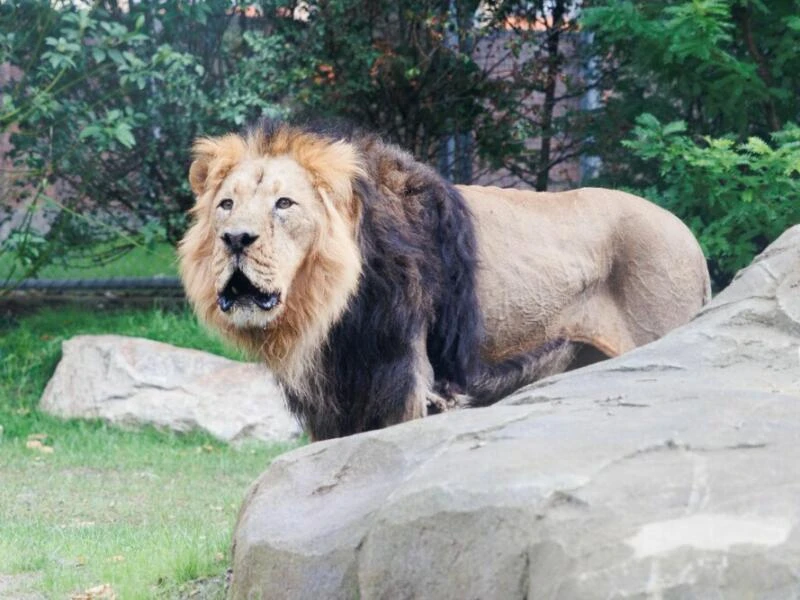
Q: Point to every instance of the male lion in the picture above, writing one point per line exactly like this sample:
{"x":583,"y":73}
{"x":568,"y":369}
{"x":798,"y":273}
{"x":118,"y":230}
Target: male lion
{"x":374,"y":289}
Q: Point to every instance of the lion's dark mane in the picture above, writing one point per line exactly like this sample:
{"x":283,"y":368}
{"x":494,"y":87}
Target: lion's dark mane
{"x":419,"y":251}
{"x":419,"y":261}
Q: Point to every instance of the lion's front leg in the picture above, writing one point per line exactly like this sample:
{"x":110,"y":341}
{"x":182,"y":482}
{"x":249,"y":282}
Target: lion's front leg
{"x":428,"y":397}
{"x":398,"y":388}
{"x":416,"y":405}
{"x":433,"y":397}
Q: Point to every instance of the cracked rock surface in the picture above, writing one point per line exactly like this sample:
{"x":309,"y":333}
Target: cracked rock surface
{"x":132,"y":381}
{"x":670,"y":472}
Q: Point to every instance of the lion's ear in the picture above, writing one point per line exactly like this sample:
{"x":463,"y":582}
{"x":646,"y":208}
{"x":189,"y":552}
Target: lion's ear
{"x":213,"y":158}
{"x":204,"y":151}
{"x":198,"y":173}
{"x":338,"y":166}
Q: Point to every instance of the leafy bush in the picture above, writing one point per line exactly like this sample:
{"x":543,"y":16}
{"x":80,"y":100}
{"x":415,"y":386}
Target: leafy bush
{"x":102,"y":109}
{"x":105,"y":102}
{"x":736,"y":197}
{"x":723,"y":67}
{"x":464,"y":85}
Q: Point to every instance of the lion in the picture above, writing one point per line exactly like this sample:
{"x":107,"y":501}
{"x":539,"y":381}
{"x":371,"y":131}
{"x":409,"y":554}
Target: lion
{"x":377,"y":292}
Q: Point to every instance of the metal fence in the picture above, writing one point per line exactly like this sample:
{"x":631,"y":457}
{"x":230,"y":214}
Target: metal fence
{"x":167,"y":284}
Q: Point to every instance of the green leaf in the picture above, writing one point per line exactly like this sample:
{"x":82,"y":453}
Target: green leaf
{"x":124,"y":135}
{"x":674,"y":127}
{"x":116,"y":56}
{"x":88,"y":131}
{"x":757,"y":146}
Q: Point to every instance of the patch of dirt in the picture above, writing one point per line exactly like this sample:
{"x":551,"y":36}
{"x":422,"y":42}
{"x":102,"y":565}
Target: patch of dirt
{"x":19,"y":587}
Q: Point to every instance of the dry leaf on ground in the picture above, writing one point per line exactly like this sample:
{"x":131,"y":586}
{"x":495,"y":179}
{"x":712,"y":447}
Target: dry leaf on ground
{"x":38,"y":445}
{"x":99,"y":592}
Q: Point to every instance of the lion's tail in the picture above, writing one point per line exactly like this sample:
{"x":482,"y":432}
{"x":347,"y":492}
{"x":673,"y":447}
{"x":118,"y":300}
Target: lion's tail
{"x":492,"y":382}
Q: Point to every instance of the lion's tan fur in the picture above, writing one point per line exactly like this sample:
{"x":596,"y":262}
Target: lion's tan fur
{"x":597,"y":266}
{"x":329,"y":273}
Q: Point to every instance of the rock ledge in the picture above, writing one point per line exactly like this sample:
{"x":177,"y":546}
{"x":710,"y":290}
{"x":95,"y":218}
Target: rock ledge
{"x":671,"y":472}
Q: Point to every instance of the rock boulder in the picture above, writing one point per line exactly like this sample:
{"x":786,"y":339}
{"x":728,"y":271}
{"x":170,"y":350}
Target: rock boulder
{"x":133,"y":381}
{"x":670,"y":472}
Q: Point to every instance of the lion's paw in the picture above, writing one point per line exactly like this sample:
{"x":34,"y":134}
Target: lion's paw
{"x":439,"y":403}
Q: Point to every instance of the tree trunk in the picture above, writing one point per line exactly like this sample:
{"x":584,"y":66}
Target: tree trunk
{"x":551,"y":79}
{"x":743,"y":16}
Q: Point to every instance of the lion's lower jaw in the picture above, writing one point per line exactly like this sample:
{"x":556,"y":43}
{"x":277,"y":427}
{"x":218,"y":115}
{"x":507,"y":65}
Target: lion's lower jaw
{"x":251,"y":317}
{"x":288,"y":339}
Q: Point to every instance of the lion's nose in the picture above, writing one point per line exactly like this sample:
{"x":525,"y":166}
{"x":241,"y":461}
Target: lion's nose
{"x":236,"y":241}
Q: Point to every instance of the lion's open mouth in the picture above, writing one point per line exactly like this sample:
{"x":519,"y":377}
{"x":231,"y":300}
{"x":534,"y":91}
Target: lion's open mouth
{"x":240,"y":290}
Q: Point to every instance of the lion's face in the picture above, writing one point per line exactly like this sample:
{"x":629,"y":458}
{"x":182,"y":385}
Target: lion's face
{"x":266,"y":216}
{"x":272,"y":258}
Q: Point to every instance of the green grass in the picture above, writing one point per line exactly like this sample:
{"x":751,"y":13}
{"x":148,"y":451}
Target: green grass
{"x":141,"y":512}
{"x":139,"y":262}
{"x":145,"y":512}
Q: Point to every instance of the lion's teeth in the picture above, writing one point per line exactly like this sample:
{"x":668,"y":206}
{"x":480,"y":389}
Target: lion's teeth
{"x":224,"y":303}
{"x":267,"y":303}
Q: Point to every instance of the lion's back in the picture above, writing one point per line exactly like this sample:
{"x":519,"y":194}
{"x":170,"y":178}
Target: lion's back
{"x":569,"y":228}
{"x":548,"y":258}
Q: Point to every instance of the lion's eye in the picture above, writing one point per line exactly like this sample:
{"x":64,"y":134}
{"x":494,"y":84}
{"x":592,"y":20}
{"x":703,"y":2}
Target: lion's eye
{"x":226,"y":204}
{"x":283,"y":203}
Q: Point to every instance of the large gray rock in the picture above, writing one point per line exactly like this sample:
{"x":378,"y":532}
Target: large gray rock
{"x":133,"y":381}
{"x":671,"y":472}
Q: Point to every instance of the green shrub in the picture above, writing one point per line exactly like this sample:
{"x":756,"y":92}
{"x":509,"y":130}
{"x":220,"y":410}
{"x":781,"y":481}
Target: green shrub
{"x":106,"y":102}
{"x":102,"y":109}
{"x":724,"y":67}
{"x":736,"y":197}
